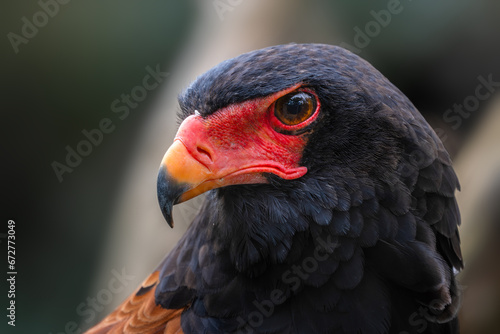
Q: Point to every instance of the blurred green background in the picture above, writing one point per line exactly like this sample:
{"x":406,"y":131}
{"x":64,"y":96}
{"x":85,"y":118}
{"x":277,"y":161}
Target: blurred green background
{"x":64,"y":79}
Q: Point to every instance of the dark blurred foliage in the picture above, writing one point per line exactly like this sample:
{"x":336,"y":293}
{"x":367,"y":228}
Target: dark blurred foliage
{"x":59,"y":83}
{"x":65,"y":78}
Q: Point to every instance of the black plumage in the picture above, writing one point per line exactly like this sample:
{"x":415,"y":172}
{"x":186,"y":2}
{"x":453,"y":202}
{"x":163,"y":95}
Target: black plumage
{"x":379,"y":184}
{"x":365,"y":242}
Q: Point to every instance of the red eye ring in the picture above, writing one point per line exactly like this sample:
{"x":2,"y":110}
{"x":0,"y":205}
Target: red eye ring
{"x":305,"y":116}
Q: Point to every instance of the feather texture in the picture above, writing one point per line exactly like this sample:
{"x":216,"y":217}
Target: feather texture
{"x":365,"y":242}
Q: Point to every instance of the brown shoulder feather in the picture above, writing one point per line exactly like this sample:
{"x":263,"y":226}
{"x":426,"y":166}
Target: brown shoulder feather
{"x":140,"y":314}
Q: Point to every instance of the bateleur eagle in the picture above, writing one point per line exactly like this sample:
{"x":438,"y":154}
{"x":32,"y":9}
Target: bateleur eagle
{"x":330,"y":205}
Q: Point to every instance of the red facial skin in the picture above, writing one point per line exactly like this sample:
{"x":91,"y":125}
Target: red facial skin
{"x":239,"y":143}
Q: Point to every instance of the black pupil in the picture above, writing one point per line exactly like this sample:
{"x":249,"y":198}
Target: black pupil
{"x":296,"y":105}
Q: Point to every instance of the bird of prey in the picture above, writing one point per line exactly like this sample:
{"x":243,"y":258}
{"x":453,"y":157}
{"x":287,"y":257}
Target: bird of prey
{"x":330,"y":205}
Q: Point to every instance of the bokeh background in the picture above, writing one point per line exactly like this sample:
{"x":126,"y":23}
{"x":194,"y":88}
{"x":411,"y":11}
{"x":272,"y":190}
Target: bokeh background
{"x":74,"y":236}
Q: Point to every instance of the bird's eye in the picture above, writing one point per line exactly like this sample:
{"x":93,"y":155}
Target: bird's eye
{"x":295,"y":108}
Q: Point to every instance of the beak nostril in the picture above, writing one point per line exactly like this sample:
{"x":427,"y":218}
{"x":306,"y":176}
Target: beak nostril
{"x":204,"y":153}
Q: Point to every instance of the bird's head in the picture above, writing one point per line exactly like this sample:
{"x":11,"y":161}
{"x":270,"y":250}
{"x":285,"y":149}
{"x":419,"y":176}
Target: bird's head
{"x":308,"y":149}
{"x":284,"y":114}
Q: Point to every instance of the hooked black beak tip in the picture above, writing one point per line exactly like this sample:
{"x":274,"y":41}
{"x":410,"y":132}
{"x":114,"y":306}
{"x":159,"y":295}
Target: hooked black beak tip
{"x":168,"y":190}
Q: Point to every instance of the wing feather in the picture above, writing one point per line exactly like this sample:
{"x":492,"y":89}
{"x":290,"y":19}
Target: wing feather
{"x":139,"y":313}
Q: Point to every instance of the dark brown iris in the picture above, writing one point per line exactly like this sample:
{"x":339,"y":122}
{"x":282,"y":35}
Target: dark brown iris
{"x":295,"y":108}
